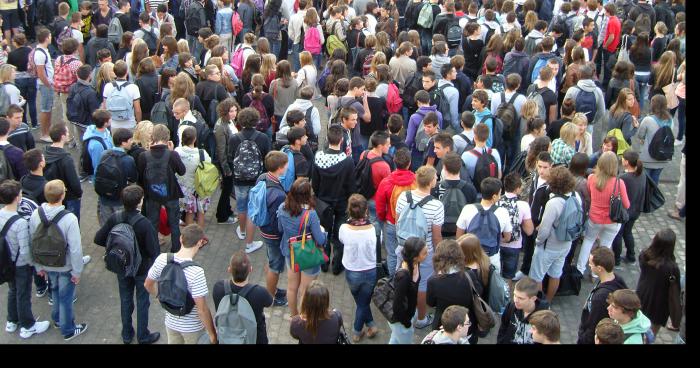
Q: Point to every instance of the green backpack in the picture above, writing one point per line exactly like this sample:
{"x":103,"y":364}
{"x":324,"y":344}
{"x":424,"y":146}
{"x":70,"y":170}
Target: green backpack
{"x":333,"y":42}
{"x":425,"y":17}
{"x":206,"y":177}
{"x":49,"y":245}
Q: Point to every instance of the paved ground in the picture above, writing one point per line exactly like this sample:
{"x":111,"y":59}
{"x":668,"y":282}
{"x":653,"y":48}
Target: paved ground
{"x":98,"y":298}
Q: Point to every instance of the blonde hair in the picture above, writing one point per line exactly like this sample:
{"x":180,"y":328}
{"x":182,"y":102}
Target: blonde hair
{"x":530,"y":20}
{"x":605,"y":169}
{"x":6,"y":73}
{"x":218,"y":62}
{"x":425,"y":175}
{"x":105,"y":74}
{"x":568,"y":133}
{"x":182,"y":46}
{"x":143,"y":133}
{"x":378,"y":59}
{"x":268,"y":65}
{"x":183,"y":87}
{"x":305,"y":58}
{"x":54,"y":191}
{"x":529,"y":110}
{"x":579,"y":118}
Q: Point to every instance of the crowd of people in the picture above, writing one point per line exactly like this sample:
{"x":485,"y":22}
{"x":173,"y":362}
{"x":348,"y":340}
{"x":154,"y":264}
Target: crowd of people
{"x":459,"y":135}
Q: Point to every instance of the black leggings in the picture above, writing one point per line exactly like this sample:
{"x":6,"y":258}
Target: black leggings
{"x":626,"y":234}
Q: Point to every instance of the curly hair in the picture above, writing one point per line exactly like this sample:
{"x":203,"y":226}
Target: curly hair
{"x":448,"y":255}
{"x":561,"y":181}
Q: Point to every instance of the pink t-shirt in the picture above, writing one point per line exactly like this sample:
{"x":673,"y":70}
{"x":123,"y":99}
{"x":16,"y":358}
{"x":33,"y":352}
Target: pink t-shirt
{"x":600,"y":200}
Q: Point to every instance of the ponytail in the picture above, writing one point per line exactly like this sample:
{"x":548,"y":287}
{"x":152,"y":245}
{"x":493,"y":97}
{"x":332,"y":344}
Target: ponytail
{"x":633,"y":158}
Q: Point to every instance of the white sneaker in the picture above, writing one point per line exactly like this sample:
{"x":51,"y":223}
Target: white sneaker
{"x":39,"y":327}
{"x":10,"y":327}
{"x":86,"y":259}
{"x":677,"y":143}
{"x":241,"y":235}
{"x":518,"y":275}
{"x":252,"y":247}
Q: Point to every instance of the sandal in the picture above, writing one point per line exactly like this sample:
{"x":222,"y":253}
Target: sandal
{"x":372,"y":332}
{"x":357,"y":338}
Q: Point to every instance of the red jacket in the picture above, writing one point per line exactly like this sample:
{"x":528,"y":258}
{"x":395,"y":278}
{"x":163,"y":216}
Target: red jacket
{"x":383,"y":196}
{"x":380,"y":169}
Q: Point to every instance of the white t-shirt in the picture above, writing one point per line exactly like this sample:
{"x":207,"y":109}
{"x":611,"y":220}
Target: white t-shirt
{"x":518,"y":103}
{"x":197,"y":286}
{"x":43,"y":58}
{"x":434,"y":213}
{"x":133,"y":91}
{"x":525,"y":142}
{"x":459,"y":142}
{"x":525,"y":214}
{"x":470,"y":210}
{"x":359,"y":248}
{"x":15,"y":96}
{"x":78,"y":35}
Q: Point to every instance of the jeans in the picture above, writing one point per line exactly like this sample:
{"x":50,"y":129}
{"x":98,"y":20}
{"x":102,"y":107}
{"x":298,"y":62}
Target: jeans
{"x":63,"y":291}
{"x":143,"y":302}
{"x":275,"y":260}
{"x":73,"y":205}
{"x":605,"y":232}
{"x":356,"y":152}
{"x":643,"y":81}
{"x":19,"y":298}
{"x":318,"y":59}
{"x":655,"y":174}
{"x":372,"y":207}
{"x":364,"y":140}
{"x":195,"y":47}
{"x":151,"y":209}
{"x":27,"y":88}
{"x":223,"y":209}
{"x":529,"y":248}
{"x":426,"y":40}
{"x":46,"y":98}
{"x":275,"y":46}
{"x":296,"y":49}
{"x":400,"y":334}
{"x":626,"y":234}
{"x":416,"y":160}
{"x":681,"y":118}
{"x":361,"y":285}
{"x":390,"y":243}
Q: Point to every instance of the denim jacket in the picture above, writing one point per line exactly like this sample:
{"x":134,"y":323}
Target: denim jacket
{"x":223,"y":21}
{"x":288,"y":226}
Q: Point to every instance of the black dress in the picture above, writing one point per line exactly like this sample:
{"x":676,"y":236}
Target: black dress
{"x":652,"y":289}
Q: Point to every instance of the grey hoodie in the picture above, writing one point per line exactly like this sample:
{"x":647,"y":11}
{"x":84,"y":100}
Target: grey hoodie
{"x":550,"y":220}
{"x":441,"y":338}
{"x":589,"y":86}
{"x":303,"y":105}
{"x":71,"y":231}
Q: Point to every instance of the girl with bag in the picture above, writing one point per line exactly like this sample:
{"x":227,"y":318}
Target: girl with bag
{"x":316,"y":324}
{"x":658,"y":117}
{"x":298,"y":222}
{"x":406,"y":280}
{"x":603,"y":185}
{"x":635,"y":183}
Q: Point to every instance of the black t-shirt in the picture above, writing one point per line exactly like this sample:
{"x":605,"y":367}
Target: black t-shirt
{"x":258,"y":297}
{"x":472,"y":53}
{"x":19,"y":58}
{"x":554,"y":128}
{"x":327,"y":332}
{"x":549,"y":99}
{"x":302,"y":164}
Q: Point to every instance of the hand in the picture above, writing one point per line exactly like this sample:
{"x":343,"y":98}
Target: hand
{"x":197,"y":68}
{"x":171,"y":146}
{"x":213,"y":340}
{"x":75,"y":280}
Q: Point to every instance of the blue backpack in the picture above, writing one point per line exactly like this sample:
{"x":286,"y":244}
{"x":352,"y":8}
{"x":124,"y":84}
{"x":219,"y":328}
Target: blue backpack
{"x":541,"y":63}
{"x":572,"y":219}
{"x":546,"y":11}
{"x":257,"y":204}
{"x":412,"y":222}
{"x":486,"y":227}
{"x":586,"y":103}
{"x":288,"y":178}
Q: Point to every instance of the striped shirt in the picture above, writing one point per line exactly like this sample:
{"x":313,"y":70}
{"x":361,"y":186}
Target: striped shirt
{"x":197,"y":286}
{"x":434,"y":213}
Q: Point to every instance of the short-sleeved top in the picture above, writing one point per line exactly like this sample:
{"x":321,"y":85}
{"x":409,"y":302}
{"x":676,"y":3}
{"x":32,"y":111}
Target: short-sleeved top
{"x":434,"y":212}
{"x":190,"y":157}
{"x":470,"y":160}
{"x":77,"y":34}
{"x":525,"y":214}
{"x":43,"y":58}
{"x":258,"y":298}
{"x":133,"y":91}
{"x":549,"y":99}
{"x":470,"y":211}
{"x":614,"y":29}
{"x":196,"y":285}
{"x":327,"y":332}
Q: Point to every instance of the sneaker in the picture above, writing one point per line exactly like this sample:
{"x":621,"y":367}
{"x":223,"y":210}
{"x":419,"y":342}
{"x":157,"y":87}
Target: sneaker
{"x":252,"y":247}
{"x":75,"y":299}
{"x":84,"y":178}
{"x":427,"y":321}
{"x":56,"y":325}
{"x":39,"y":327}
{"x":241,"y":235}
{"x":42,"y":293}
{"x":230,"y":220}
{"x":677,"y":142}
{"x":46,"y":140}
{"x":281,"y":293}
{"x":78,"y":330}
{"x":518,"y":275}
{"x":630,"y":259}
{"x":10,"y":327}
{"x":280,"y":301}
{"x":86,"y":259}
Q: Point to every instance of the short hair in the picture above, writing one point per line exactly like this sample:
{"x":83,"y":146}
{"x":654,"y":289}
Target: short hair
{"x":445,"y":140}
{"x":131,"y":195}
{"x":100,"y":117}
{"x":274,"y":160}
{"x":402,"y":158}
{"x":422,"y":62}
{"x":604,"y":257}
{"x":295,"y":134}
{"x":481,"y":95}
{"x":458,"y":62}
{"x":14,"y":109}
{"x":547,"y":323}
{"x":561,"y":181}
{"x":585,"y":71}
{"x":189,"y":136}
{"x":452,"y":317}
{"x":544,"y":157}
{"x":240,"y":266}
{"x":32,"y":158}
{"x":528,"y":286}
{"x":204,"y":32}
{"x":378,"y":138}
{"x":445,"y":69}
{"x":182,"y":102}
{"x":540,"y":25}
{"x":75,"y":18}
{"x":57,"y":131}
{"x":430,"y":74}
{"x":54,"y":191}
{"x":295,"y":116}
{"x":430,"y":118}
{"x":512,"y":182}
{"x":335,"y":134}
{"x":610,"y":8}
{"x":490,"y":187}
{"x":356,"y":82}
{"x":422,"y":96}
{"x":121,"y":135}
{"x":43,"y":33}
{"x":346,"y":112}
{"x":70,"y":45}
{"x":609,"y":332}
{"x":357,"y":207}
{"x":425,"y":175}
{"x":481,"y":132}
{"x":626,"y":299}
{"x":248,"y":117}
{"x":120,"y":69}
{"x":84,"y":72}
{"x":161,"y":133}
{"x":395,"y":123}
{"x":9,"y":190}
{"x":491,"y":64}
{"x":191,"y":234}
{"x":513,"y":81}
{"x":546,"y":74}
{"x":467,"y":119}
{"x":306,"y":92}
{"x":102,"y":31}
{"x":452,"y":163}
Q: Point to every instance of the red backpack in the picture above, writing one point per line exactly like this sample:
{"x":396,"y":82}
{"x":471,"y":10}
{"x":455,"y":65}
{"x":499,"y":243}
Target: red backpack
{"x":312,"y":41}
{"x":264,"y":123}
{"x":394,"y":102}
{"x":64,"y":77}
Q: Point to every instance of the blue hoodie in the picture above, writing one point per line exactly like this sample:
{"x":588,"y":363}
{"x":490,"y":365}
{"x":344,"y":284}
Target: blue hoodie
{"x":489,"y":123}
{"x":95,"y":149}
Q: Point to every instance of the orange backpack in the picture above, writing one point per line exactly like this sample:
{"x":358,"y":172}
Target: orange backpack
{"x":395,"y":193}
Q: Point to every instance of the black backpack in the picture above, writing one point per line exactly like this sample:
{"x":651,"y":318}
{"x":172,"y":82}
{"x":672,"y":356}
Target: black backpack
{"x":507,"y":114}
{"x":485,"y":167}
{"x":203,"y":132}
{"x":497,"y":139}
{"x":156,"y":176}
{"x":413,"y":85}
{"x":5,"y":169}
{"x":122,"y":255}
{"x":453,"y":34}
{"x":443,"y":106}
{"x":173,"y":294}
{"x":363,"y":175}
{"x":661,"y":145}
{"x":85,"y":159}
{"x":192,"y":21}
{"x":7,"y":264}
{"x":453,"y":200}
{"x":151,"y":41}
{"x":109,"y":178}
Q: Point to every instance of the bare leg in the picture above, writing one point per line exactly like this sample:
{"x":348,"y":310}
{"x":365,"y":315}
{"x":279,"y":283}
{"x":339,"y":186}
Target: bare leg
{"x":422,"y":305}
{"x":200,"y":219}
{"x":293,"y":281}
{"x":551,"y":288}
{"x":305,"y":281}
{"x":655,"y":328}
{"x":45,"y":122}
{"x":189,"y":218}
{"x":249,"y":232}
{"x":242,"y":221}
{"x":271,"y":280}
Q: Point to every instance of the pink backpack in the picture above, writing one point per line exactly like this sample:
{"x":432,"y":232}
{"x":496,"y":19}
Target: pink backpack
{"x":394,"y":103}
{"x":237,"y":61}
{"x":236,"y":23}
{"x":312,"y":41}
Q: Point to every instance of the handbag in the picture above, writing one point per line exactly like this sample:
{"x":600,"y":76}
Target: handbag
{"x":670,"y":93}
{"x":303,"y":250}
{"x":618,"y":213}
{"x":653,"y":197}
{"x":485,"y":317}
{"x":635,"y":110}
{"x":343,"y":338}
{"x":624,"y":53}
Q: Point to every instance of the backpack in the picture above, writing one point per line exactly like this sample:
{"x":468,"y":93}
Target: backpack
{"x":498,"y":291}
{"x":312,"y":40}
{"x":31,"y":66}
{"x":192,"y":21}
{"x":247,"y":164}
{"x":395,"y":193}
{"x":546,"y":9}
{"x":661,"y":145}
{"x":65,"y":34}
{"x":413,"y":85}
{"x":412,"y":222}
{"x":539,"y":64}
{"x":485,"y":167}
{"x":115,"y":31}
{"x":470,"y":144}
{"x":443,"y":106}
{"x":453,"y":200}
{"x":5,"y":168}
{"x":394,"y":103}
{"x":490,"y":33}
{"x":563,"y":22}
{"x":151,"y":41}
{"x":572,"y":220}
{"x":288,"y":178}
{"x":109,"y":179}
{"x":26,"y":206}
{"x":517,"y":164}
{"x":511,"y":204}
{"x":76,"y":112}
{"x":383,"y":296}
{"x":156,"y":177}
{"x":64,"y":78}
{"x":206,"y":177}
{"x":49,"y":245}
{"x":513,"y":64}
{"x":122,"y":254}
{"x":173,"y":293}
{"x":119,"y":103}
{"x":257,"y":204}
{"x":422,"y":140}
{"x":321,"y":82}
{"x":235,"y":320}
{"x":236,"y":23}
{"x":264,"y":123}
{"x":531,"y":45}
{"x":507,"y":114}
{"x":333,"y":42}
{"x":454,"y":35}
{"x":85,"y":159}
{"x":237,"y":61}
{"x":204,"y":133}
{"x":161,"y":114}
{"x":648,"y":336}
{"x":486,"y":227}
{"x":363,"y":175}
{"x":367,"y":64}
{"x":425,"y":17}
{"x":533,"y":93}
{"x":586,"y":103}
{"x":7,"y":264}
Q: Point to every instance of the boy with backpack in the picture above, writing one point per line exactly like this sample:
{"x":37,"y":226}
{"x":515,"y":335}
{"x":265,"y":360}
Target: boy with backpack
{"x":395,"y":125}
{"x":562,"y":222}
{"x":454,"y":192}
{"x":72,"y":31}
{"x":482,"y":115}
{"x":121,"y":98}
{"x":250,"y":315}
{"x":521,"y":221}
{"x":156,"y":174}
{"x":590,"y":101}
{"x":96,"y":140}
{"x":187,"y":314}
{"x":448,"y":97}
{"x":248,"y":149}
{"x":120,"y":23}
{"x":40,"y":65}
{"x":147,"y":33}
{"x":310,"y":113}
{"x":482,"y":162}
{"x":415,"y":134}
{"x":128,"y":228}
{"x":20,"y":134}
{"x":65,"y":75}
{"x":464,"y":141}
{"x":16,"y":264}
{"x":11,"y":165}
{"x":57,"y":251}
{"x":507,"y":106}
{"x":60,"y":165}
{"x":425,"y":139}
{"x":195,"y":18}
{"x":82,"y":100}
{"x":515,"y":321}
{"x":301,"y":162}
{"x":113,"y":172}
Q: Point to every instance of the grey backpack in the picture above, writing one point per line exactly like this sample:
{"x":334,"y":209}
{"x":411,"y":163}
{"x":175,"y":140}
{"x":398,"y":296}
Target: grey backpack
{"x":4,"y":100}
{"x":5,"y":169}
{"x":235,"y":320}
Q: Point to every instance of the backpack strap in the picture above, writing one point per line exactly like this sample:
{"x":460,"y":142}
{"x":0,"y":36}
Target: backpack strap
{"x":201,"y":158}
{"x":59,"y":216}
{"x":512,"y":98}
{"x":96,"y":138}
{"x":11,"y":221}
{"x":425,"y":200}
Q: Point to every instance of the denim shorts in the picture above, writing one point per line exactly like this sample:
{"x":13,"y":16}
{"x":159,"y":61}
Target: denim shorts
{"x":546,"y":261}
{"x":509,"y":260}
{"x":46,"y":98}
{"x":241,"y":197}
{"x":311,"y":272}
{"x":275,"y":260}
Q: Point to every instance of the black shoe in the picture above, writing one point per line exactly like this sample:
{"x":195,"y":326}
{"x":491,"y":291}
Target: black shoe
{"x":324,"y":266}
{"x":630,"y":259}
{"x":617,"y":262}
{"x":337,"y":268}
{"x":150,"y":339}
{"x":280,"y":293}
{"x":129,"y":341}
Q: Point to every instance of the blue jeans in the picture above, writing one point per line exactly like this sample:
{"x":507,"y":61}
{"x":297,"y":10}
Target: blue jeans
{"x":318,"y":58}
{"x":296,"y":49}
{"x":416,"y":160}
{"x":275,"y":260}
{"x":400,"y":334}
{"x":390,"y":243}
{"x":73,"y":205}
{"x":643,"y":81}
{"x":63,"y":291}
{"x":361,"y":286}
{"x":126,"y":296}
{"x":27,"y":88}
{"x":372,"y":207}
{"x":151,"y":209}
{"x":426,"y":40}
{"x":19,"y":298}
{"x":275,"y":46}
{"x":655,"y":174}
{"x":681,"y":119}
{"x":195,"y":47}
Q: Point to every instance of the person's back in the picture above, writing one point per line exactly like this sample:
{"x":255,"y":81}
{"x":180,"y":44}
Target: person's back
{"x":327,"y":330}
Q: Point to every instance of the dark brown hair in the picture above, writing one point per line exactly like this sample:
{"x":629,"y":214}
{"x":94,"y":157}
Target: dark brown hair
{"x":314,"y":306}
{"x":300,"y":194}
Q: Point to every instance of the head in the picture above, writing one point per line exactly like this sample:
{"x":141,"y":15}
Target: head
{"x":659,"y":107}
{"x":426,"y":177}
{"x":276,"y":163}
{"x":579,"y":164}
{"x":58,"y":132}
{"x":297,"y":137}
{"x":227,"y":110}
{"x":544,"y":164}
{"x":448,"y":257}
{"x":192,"y":236}
{"x":348,"y":116}
{"x":481,"y":134}
{"x":630,"y":159}
{"x":467,"y":120}
{"x":160,"y":135}
{"x":54,"y":191}
{"x":525,"y":294}
{"x":480,"y":99}
{"x":314,"y":305}
{"x":491,"y":189}
{"x":240,"y":266}
{"x":443,"y":144}
{"x":10,"y":192}
{"x":70,"y":45}
{"x":568,"y":133}
{"x":33,"y":159}
{"x":605,"y":169}
{"x":101,"y":118}
{"x":512,"y":183}
{"x":474,"y":254}
{"x":120,"y":69}
{"x":143,"y":133}
{"x":14,"y":116}
{"x":132,"y":197}
{"x":609,"y":332}
{"x":395,"y":124}
{"x":122,"y":137}
{"x":661,"y":249}
{"x":455,"y":318}
{"x":448,"y":72}
{"x":180,"y":108}
{"x":530,"y":111}
{"x":623,"y":305}
{"x":300,"y":194}
{"x":189,"y":136}
{"x":248,"y":117}
{"x":379,"y":141}
{"x":430,"y":123}
{"x":357,"y":207}
{"x":602,"y":261}
{"x":414,"y":251}
{"x":356,"y":86}
{"x":429,"y":80}
{"x":545,"y":326}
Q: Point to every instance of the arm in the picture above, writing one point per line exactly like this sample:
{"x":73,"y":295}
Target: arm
{"x":454,"y":103}
{"x":545,"y":227}
{"x":598,"y":312}
{"x":316,"y":121}
{"x":73,"y":183}
{"x":221,"y":153}
{"x":41,"y":73}
{"x":101,"y":234}
{"x":411,"y":133}
{"x":177,"y":164}
{"x":137,"y":109}
{"x":367,"y":117}
{"x":437,"y":234}
{"x":381,"y":201}
{"x":623,"y":191}
{"x":553,"y":112}
{"x":72,"y":235}
{"x":430,"y":161}
{"x":315,"y":227}
{"x":205,"y":317}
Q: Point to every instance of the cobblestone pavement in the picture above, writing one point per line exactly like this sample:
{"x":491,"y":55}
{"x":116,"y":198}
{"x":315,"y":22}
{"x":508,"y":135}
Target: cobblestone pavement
{"x":98,"y":298}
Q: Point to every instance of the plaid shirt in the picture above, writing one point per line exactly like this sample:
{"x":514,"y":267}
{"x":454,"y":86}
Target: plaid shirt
{"x":17,"y":237}
{"x":561,"y":152}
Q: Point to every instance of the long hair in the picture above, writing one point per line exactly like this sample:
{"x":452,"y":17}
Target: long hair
{"x":171,"y":44}
{"x":605,"y":169}
{"x":223,"y":108}
{"x":632,"y":158}
{"x":620,"y":106}
{"x":447,"y":255}
{"x":314,"y":306}
{"x":269,"y":64}
{"x":338,"y":71}
{"x":473,"y":253}
{"x":664,"y":70}
{"x":138,"y":53}
{"x":511,"y":37}
{"x":411,"y":250}
{"x":661,"y":249}
{"x":252,"y":66}
{"x":183,"y":87}
{"x":540,"y":144}
{"x":300,"y":194}
{"x":257,"y":83}
{"x":105,"y":75}
{"x":284,"y":73}
{"x":659,"y":107}
{"x":142,"y":133}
